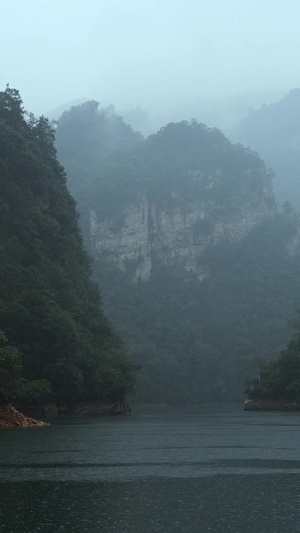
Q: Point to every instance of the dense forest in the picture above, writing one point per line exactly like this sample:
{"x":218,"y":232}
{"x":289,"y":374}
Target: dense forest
{"x":55,"y":343}
{"x":108,"y":163}
{"x":193,"y":338}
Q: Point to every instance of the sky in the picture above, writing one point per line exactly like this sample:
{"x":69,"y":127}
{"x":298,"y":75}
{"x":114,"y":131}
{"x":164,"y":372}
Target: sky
{"x":211,"y":60}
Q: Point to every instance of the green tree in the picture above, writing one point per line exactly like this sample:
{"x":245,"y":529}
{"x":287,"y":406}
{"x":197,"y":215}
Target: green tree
{"x":49,"y":306}
{"x":10,"y":370}
{"x":278,"y":379}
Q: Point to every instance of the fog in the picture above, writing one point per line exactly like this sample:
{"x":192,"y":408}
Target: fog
{"x":174,"y":59}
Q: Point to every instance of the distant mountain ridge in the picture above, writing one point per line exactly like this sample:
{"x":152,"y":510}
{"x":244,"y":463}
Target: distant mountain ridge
{"x":274,"y":132}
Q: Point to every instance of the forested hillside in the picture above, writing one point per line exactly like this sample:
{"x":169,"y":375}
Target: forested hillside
{"x":194,"y":339}
{"x":63,"y":348}
{"x":199,"y":272}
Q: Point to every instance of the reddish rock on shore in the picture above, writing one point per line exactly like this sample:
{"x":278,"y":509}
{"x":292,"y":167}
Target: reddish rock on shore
{"x":11,"y":418}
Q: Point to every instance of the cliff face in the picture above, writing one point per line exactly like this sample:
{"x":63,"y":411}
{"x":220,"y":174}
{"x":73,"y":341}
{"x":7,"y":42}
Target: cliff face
{"x":146,"y":234}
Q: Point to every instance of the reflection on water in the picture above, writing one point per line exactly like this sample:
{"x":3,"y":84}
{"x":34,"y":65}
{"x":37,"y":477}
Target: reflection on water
{"x":219,"y":470}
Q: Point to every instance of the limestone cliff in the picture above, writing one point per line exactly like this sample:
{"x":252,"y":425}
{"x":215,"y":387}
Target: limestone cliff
{"x":146,"y":234}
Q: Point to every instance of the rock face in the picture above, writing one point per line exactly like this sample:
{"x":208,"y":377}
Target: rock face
{"x":10,"y":418}
{"x":294,"y":244}
{"x":147,"y":234}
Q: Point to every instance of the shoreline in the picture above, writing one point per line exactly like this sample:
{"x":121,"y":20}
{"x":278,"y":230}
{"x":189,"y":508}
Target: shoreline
{"x":271,"y":405}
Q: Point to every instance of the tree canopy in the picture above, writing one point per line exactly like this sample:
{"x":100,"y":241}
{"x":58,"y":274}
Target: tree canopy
{"x":278,"y":379}
{"x":50,"y":310}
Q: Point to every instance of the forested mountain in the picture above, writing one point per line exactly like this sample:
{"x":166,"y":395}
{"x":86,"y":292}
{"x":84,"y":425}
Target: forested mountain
{"x":49,"y":307}
{"x":274,"y":132}
{"x":199,"y":272}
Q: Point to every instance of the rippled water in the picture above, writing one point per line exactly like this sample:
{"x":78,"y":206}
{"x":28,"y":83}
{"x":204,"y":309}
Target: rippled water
{"x":160,"y":470}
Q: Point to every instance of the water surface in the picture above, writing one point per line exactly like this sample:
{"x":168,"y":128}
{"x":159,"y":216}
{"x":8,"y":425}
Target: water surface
{"x":200,"y":469}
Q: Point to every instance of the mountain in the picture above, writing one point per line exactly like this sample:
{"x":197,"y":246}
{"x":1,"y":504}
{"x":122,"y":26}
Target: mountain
{"x":50,"y":310}
{"x":188,"y":190}
{"x":198,"y":269}
{"x":274,"y":132}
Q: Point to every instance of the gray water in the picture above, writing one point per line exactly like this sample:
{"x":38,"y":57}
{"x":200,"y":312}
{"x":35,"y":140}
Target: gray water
{"x":158,"y":470}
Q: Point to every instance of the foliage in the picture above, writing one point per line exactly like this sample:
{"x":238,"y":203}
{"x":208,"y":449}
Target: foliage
{"x":193,"y":339}
{"x":34,"y":393}
{"x":278,"y":379}
{"x":10,"y":369}
{"x":109,"y":170}
{"x":49,"y":307}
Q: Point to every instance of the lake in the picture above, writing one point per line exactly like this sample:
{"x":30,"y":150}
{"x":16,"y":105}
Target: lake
{"x":199,"y":469}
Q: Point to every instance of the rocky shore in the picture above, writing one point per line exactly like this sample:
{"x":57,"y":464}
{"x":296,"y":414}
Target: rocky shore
{"x":270,"y":405}
{"x":11,"y":418}
{"x":52,"y":410}
{"x":105,"y":409}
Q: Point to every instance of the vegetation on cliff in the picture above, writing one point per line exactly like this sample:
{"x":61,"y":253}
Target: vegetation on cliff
{"x":192,"y":339}
{"x":108,"y":164}
{"x":10,"y":370}
{"x":49,"y":308}
{"x":278,"y":379}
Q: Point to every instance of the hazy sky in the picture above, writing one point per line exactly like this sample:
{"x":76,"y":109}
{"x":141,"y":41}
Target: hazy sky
{"x":177,"y":59}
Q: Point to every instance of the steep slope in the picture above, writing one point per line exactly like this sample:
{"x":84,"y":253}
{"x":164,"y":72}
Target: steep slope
{"x":199,"y":272}
{"x":49,"y":307}
{"x":274,"y":132}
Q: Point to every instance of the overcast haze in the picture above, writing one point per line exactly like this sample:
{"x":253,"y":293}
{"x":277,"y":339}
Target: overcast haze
{"x":176,"y":59}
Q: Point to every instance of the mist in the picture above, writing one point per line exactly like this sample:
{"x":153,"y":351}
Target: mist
{"x":174,"y":60}
{"x":154,"y":276}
